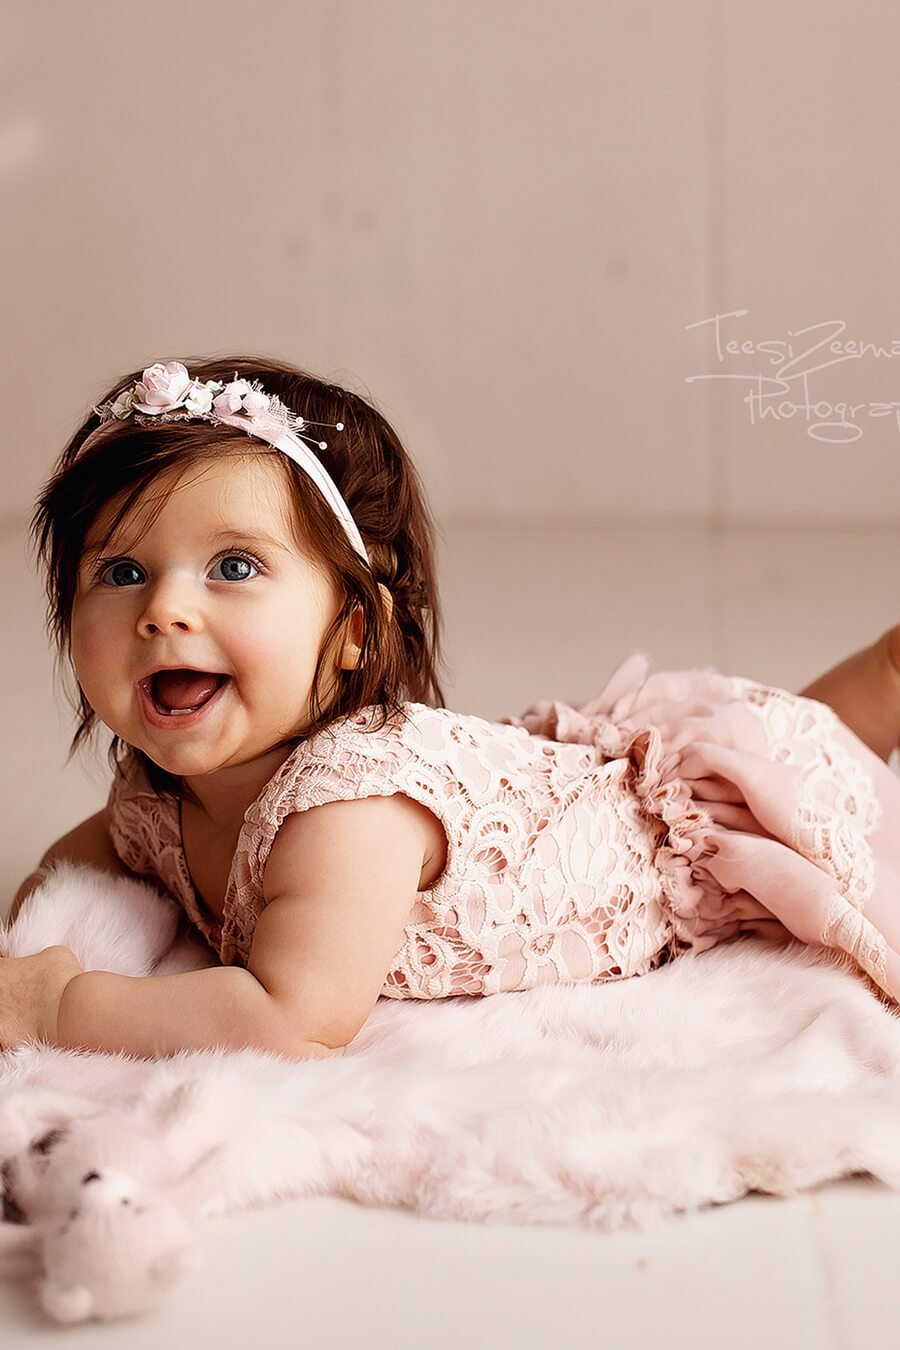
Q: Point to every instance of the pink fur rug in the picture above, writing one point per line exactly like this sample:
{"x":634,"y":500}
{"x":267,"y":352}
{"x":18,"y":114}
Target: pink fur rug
{"x":748,"y":1067}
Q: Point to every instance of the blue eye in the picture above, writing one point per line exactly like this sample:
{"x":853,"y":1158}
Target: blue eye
{"x":113,"y":567}
{"x":246,"y":559}
{"x":231,"y":573}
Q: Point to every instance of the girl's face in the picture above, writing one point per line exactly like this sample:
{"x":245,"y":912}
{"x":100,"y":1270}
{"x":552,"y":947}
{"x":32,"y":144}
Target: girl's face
{"x":216,"y":583}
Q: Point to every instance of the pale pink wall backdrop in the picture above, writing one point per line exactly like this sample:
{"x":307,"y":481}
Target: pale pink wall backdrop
{"x":511,"y":221}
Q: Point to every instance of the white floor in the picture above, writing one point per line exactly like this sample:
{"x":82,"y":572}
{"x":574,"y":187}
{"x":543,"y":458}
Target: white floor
{"x":531,"y":613}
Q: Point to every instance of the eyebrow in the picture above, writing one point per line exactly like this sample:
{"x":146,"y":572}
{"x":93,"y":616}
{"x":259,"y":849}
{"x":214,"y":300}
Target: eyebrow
{"x":230,"y":532}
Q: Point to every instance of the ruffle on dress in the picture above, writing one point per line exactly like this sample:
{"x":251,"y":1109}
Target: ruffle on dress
{"x":774,"y":817}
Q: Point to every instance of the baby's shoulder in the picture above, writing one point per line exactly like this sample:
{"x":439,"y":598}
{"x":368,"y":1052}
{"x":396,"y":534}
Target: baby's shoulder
{"x":369,"y":747}
{"x":364,"y":754}
{"x":430,"y":754}
{"x":352,"y":841}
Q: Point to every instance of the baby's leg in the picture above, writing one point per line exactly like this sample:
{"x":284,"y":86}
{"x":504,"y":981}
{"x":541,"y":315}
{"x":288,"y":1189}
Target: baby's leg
{"x":864,"y":691}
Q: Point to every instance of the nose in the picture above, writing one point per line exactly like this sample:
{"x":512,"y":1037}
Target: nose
{"x":169,"y":604}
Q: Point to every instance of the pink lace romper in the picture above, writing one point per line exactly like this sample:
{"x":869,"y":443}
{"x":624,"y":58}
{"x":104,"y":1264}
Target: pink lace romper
{"x":589,"y":843}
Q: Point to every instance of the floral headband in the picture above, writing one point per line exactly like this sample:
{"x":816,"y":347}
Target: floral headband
{"x":166,"y":392}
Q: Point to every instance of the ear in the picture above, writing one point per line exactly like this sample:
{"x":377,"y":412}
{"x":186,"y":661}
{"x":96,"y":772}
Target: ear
{"x":352,"y":648}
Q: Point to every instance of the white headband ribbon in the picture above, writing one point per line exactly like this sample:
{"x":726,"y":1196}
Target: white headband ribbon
{"x":166,"y":392}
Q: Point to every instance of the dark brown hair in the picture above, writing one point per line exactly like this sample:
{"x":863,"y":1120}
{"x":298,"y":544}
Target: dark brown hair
{"x":400,"y":652}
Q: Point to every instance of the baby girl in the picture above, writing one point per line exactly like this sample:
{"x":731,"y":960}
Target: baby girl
{"x":240,"y":573}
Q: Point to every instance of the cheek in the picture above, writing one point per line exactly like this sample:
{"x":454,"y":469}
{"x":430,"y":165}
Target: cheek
{"x":256,"y":649}
{"x":91,"y":644}
{"x":269,"y":642}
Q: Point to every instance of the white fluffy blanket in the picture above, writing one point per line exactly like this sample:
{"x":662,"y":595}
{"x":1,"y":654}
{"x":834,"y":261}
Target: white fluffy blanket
{"x":747,"y":1067}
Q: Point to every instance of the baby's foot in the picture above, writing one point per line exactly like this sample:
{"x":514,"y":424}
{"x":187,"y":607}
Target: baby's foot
{"x":864,"y":691}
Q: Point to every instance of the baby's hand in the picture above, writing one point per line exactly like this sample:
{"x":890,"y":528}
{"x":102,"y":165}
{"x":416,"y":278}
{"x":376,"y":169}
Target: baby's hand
{"x":31,"y":988}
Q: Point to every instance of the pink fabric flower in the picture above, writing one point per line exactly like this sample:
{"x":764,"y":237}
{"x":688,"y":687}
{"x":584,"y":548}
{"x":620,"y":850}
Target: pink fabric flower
{"x":162,"y":387}
{"x":256,"y":404}
{"x":231,"y":397}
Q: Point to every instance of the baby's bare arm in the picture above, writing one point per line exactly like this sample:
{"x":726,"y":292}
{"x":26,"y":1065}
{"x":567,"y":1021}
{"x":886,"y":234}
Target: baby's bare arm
{"x":158,"y":1015}
{"x":339,"y":885}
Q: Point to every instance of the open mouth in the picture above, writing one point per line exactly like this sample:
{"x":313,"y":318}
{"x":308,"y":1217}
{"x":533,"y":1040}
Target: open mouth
{"x":178,"y":693}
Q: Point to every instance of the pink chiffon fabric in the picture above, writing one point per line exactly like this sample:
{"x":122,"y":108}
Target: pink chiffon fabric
{"x":780,"y":821}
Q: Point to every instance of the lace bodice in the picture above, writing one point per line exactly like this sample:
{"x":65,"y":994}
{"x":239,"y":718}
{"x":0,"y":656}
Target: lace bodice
{"x":541,"y":851}
{"x":583,"y":844}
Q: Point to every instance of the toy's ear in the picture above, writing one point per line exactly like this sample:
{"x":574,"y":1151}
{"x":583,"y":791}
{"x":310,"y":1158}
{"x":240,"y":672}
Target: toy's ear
{"x":74,"y":1304}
